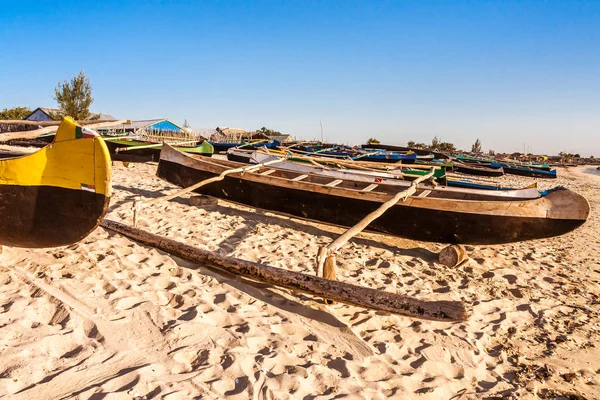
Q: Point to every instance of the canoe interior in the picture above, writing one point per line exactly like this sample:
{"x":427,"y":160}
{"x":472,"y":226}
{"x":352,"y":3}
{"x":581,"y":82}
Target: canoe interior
{"x":530,"y":172}
{"x":404,"y":221}
{"x":360,"y":185}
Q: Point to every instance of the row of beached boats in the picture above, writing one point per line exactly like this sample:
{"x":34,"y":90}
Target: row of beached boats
{"x":125,"y":148}
{"x":67,"y":183}
{"x":131,"y":149}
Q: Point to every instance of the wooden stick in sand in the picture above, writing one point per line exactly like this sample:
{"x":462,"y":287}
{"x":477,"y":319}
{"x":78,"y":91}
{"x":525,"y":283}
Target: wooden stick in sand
{"x":137,"y":204}
{"x":34,"y":134}
{"x":341,"y":292}
{"x":325,"y":256}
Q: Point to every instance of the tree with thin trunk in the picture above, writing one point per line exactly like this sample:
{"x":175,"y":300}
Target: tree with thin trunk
{"x":476,"y":147}
{"x":74,"y":98}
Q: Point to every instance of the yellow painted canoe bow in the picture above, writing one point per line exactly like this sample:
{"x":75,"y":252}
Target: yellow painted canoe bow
{"x":57,"y":195}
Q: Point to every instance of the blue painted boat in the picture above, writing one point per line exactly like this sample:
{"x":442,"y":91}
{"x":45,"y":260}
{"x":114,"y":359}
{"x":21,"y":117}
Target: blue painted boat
{"x":469,"y":184}
{"x":380,"y":156}
{"x":525,"y":171}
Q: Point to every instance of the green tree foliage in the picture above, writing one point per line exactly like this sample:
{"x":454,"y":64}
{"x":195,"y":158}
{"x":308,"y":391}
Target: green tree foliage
{"x":446,"y":147}
{"x":74,"y":98}
{"x":476,"y":147}
{"x":436,"y":144}
{"x":269,"y":132}
{"x":413,"y":145}
{"x":15,"y":113}
{"x":567,"y":156}
{"x":373,"y":141}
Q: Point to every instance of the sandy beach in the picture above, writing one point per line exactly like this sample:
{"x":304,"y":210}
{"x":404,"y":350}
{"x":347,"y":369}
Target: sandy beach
{"x":108,"y":318}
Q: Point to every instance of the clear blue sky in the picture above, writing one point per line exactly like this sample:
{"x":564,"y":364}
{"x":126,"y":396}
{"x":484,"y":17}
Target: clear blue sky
{"x":512,"y":73}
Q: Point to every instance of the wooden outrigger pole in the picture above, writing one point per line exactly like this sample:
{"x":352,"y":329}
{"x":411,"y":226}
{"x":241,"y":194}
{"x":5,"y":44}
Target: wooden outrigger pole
{"x":42,"y":131}
{"x":326,"y":258}
{"x":153,"y":146}
{"x":137,"y":204}
{"x":359,"y":296}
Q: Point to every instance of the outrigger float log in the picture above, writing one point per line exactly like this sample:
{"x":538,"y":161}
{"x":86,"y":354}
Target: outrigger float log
{"x":359,"y":296}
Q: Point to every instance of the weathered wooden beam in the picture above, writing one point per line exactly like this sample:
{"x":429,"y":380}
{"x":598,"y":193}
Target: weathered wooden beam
{"x":137,"y":204}
{"x":33,"y":134}
{"x":325,"y":256}
{"x":341,"y":292}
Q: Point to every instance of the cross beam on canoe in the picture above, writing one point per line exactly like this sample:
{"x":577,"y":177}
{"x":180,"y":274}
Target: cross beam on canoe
{"x":325,"y":257}
{"x":346,"y":293}
{"x":153,"y":146}
{"x":42,"y":131}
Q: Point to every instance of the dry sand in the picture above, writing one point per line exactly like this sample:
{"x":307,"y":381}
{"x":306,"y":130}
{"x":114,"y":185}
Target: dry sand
{"x":108,"y":318}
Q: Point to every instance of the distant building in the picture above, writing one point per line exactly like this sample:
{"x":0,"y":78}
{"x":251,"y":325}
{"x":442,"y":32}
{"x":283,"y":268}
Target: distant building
{"x":45,"y":114}
{"x":237,"y":135}
{"x":284,"y":138}
{"x":148,"y":125}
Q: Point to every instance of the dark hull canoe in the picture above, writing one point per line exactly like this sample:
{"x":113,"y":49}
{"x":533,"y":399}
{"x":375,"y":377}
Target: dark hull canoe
{"x":222,"y":147}
{"x":152,"y":154}
{"x":48,"y":216}
{"x":239,"y":157}
{"x":534,"y":173}
{"x":134,"y":154}
{"x":420,"y":218}
{"x":478,"y":170}
{"x":57,"y":195}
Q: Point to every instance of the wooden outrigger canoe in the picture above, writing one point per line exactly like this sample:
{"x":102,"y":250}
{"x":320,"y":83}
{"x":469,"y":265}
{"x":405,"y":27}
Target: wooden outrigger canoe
{"x":427,"y":215}
{"x":120,"y":148}
{"x":478,"y":169}
{"x":526,"y":171}
{"x":57,"y":195}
